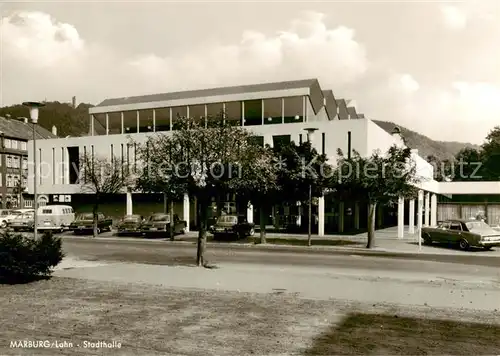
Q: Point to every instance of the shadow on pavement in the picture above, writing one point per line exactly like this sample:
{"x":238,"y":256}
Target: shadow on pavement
{"x":454,"y":247}
{"x":372,"y":334}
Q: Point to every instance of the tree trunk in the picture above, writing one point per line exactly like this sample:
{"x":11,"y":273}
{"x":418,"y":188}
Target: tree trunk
{"x":372,"y":217}
{"x":262,"y":219}
{"x":202,"y":232}
{"x":172,"y":222}
{"x":94,"y":223}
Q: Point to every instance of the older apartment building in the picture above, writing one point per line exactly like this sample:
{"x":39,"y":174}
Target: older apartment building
{"x":14,"y":136}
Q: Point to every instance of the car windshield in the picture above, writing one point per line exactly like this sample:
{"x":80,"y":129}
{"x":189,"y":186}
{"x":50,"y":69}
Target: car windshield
{"x":160,"y":217}
{"x":228,"y":219}
{"x":16,"y":212}
{"x":86,"y":216}
{"x":132,"y":218}
{"x":477,"y":225}
{"x":26,"y":216}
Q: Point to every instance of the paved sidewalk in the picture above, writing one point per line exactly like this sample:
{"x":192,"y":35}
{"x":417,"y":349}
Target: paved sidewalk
{"x":449,"y":291}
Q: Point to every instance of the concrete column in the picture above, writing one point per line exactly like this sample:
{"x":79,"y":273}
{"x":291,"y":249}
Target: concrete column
{"x":433,"y":210}
{"x":185,"y":210}
{"x":356,"y":215}
{"x":250,"y":213}
{"x":420,"y":209}
{"x":341,"y":216}
{"x":427,"y":209}
{"x":299,"y":214}
{"x":321,"y":216}
{"x":129,"y":203}
{"x":411,"y":217}
{"x":401,"y":217}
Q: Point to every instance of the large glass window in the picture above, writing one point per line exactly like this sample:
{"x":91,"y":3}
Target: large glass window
{"x":99,"y":124}
{"x":253,"y":112}
{"x":114,"y":123}
{"x":233,"y":113}
{"x":197,"y":113}
{"x":215,"y":114}
{"x":273,"y":113}
{"x":294,"y":109}
{"x":179,"y":114}
{"x":146,"y":120}
{"x":162,"y":119}
{"x":281,"y":140}
{"x":130,"y":122}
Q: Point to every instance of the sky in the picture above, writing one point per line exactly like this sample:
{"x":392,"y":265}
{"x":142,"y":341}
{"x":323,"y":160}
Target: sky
{"x":433,"y":67}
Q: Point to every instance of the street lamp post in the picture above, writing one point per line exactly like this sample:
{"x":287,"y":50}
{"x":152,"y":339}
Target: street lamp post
{"x":34,"y":109}
{"x":310,"y":133}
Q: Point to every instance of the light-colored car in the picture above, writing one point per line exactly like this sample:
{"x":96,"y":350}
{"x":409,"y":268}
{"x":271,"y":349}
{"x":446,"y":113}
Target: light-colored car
{"x":23,"y":222}
{"x":464,"y":233}
{"x":6,"y":220}
{"x":55,"y":217}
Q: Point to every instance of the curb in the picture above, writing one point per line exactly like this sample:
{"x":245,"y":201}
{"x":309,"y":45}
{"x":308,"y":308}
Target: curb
{"x":377,"y":251}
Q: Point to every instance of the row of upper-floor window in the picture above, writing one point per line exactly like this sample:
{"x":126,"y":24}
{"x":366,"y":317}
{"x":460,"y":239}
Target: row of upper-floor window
{"x":13,"y":161}
{"x":15,"y":144}
{"x":238,"y":113}
{"x":126,"y":153}
{"x":12,"y":180}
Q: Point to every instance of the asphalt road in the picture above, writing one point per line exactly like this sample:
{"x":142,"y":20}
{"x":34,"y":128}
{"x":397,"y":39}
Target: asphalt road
{"x":168,"y":253}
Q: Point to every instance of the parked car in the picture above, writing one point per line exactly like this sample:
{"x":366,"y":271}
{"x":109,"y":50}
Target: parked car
{"x":6,"y":219}
{"x":130,"y":225}
{"x":232,"y":225}
{"x":55,"y":218}
{"x":84,"y":223}
{"x":464,"y":233}
{"x":158,"y":225}
{"x":23,"y":222}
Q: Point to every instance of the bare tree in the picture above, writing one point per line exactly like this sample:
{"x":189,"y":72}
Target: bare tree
{"x":100,"y":176}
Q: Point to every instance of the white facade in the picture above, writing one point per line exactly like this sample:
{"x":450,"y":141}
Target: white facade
{"x":319,"y":110}
{"x":54,"y":159}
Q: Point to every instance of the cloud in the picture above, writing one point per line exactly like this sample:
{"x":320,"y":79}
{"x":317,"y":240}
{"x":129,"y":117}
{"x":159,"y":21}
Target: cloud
{"x":307,"y":46}
{"x":454,"y":18}
{"x":37,"y":40}
{"x":43,"y":58}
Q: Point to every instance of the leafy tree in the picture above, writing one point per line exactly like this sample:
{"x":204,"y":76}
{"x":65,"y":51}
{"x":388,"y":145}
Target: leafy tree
{"x":302,"y":171}
{"x":257,"y":181}
{"x":205,"y":162}
{"x":158,"y":174}
{"x":491,"y":155}
{"x":100,"y":176}
{"x":377,"y":179}
{"x":468,"y":165}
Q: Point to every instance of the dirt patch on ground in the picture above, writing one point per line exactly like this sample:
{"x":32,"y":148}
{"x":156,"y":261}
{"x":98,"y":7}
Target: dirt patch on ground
{"x":158,"y":321}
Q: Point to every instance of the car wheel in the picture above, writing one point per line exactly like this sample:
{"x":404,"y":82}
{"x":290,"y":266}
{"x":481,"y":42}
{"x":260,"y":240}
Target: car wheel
{"x":427,"y":239}
{"x":3,"y":224}
{"x":487,"y":248}
{"x":98,"y":231}
{"x":464,"y":244}
{"x":251,"y":232}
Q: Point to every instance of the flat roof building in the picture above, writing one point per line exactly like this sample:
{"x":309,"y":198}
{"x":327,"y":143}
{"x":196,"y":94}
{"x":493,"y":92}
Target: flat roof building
{"x":276,"y":112}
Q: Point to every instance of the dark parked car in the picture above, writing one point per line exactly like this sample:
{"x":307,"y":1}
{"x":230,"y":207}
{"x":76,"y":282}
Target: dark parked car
{"x":130,"y":225}
{"x":232,"y":225}
{"x":84,"y":223}
{"x":158,"y":225}
{"x":466,"y":234}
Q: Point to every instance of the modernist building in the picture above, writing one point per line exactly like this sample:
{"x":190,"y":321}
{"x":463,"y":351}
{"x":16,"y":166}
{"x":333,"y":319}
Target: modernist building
{"x":14,"y":136}
{"x":276,"y":112}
